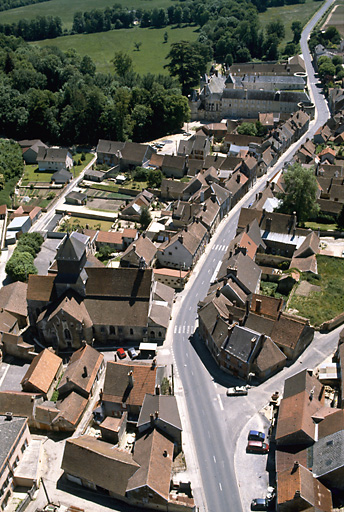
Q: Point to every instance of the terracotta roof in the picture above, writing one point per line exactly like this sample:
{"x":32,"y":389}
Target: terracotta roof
{"x":127,"y":312}
{"x":165,"y":405}
{"x":170,"y":272}
{"x":41,"y":288}
{"x":3,"y":209}
{"x":269,"y":356}
{"x":309,"y":246}
{"x":119,"y":282}
{"x":71,"y":408}
{"x":302,"y":481}
{"x":19,"y":403}
{"x":308,"y":264}
{"x":331,"y":424}
{"x":268,"y":306}
{"x":295,"y":424}
{"x":42,"y":371}
{"x":83,"y":456}
{"x":326,"y":151}
{"x":117,"y":388}
{"x":70,"y":304}
{"x":143,"y":248}
{"x":247,"y":215}
{"x":85,"y":358}
{"x":303,"y":381}
{"x":285,"y":459}
{"x":110,"y":237}
{"x":13,"y":298}
{"x":130,"y":233}
{"x":287,"y":331}
{"x":191,"y":238}
{"x":154,"y":454}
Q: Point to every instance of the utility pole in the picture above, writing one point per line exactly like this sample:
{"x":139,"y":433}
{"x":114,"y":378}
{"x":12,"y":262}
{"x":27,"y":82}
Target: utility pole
{"x":45,"y":491}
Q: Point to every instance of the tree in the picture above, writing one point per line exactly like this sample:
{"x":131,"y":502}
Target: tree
{"x":165,"y":37}
{"x":154,"y":178}
{"x":20,"y":265}
{"x":276,"y":28}
{"x":138,"y":45}
{"x":300,"y":193}
{"x":186,"y":64}
{"x":123,"y":63}
{"x":247,"y":129}
{"x":145,"y":217}
{"x":340,"y":220}
{"x":296,"y":28}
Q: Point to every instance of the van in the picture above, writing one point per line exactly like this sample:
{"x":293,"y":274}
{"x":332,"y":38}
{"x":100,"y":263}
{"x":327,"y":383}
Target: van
{"x":132,"y":353}
{"x":257,"y":447}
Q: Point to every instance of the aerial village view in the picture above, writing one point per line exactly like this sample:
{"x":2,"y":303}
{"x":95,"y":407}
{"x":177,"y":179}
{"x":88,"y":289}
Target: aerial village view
{"x":172,"y":255}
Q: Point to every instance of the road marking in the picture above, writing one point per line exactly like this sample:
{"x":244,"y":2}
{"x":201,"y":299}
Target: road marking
{"x":188,"y":329}
{"x":192,"y":373}
{"x":187,"y":355}
{"x":180,"y":329}
{"x":214,"y":459}
{"x":175,"y":329}
{"x":183,"y":329}
{"x":4,"y":375}
{"x":220,"y":402}
{"x":220,"y":486}
{"x":216,"y":246}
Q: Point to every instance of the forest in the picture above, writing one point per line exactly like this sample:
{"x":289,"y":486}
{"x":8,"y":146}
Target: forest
{"x":59,"y":98}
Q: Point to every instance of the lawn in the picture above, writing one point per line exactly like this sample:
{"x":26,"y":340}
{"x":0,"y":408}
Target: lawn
{"x":324,"y":227}
{"x":76,"y":222}
{"x":32,"y":175}
{"x":322,"y":306}
{"x":288,"y":14}
{"x":102,"y":46}
{"x":336,"y":18}
{"x":65,"y":9}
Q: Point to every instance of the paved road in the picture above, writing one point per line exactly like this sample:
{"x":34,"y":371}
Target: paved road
{"x":215,"y":424}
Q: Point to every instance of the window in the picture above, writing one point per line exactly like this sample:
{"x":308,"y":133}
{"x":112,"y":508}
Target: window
{"x":170,"y":254}
{"x":160,"y":334}
{"x":67,"y":334}
{"x":131,"y":331}
{"x":112,"y":329}
{"x":152,"y":334}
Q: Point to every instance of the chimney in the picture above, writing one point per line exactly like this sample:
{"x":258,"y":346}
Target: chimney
{"x":268,"y":223}
{"x":180,"y":238}
{"x":204,"y":207}
{"x":156,"y":415}
{"x":9,"y":416}
{"x":258,"y":305}
{"x":253,"y":342}
{"x":130,"y":379}
{"x":151,"y":419}
{"x":295,"y":466}
{"x":294,"y":220}
{"x":218,"y":292}
{"x":85,"y":372}
{"x":247,"y":307}
{"x":238,"y":178}
{"x":157,"y":390}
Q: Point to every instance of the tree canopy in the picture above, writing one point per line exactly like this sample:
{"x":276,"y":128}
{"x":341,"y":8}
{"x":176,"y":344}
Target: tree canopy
{"x":300,"y":193}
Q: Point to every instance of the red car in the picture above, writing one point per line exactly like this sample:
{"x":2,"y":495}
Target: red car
{"x":257,"y":447}
{"x":121,"y":353}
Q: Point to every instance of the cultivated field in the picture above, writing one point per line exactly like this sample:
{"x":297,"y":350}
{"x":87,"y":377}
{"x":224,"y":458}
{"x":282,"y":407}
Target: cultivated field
{"x":102,"y":46}
{"x":288,"y":14}
{"x":336,"y":18}
{"x":65,"y":9}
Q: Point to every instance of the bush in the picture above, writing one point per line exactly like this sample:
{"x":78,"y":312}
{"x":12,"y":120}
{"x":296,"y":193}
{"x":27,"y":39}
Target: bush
{"x":30,"y":240}
{"x":20,"y":265}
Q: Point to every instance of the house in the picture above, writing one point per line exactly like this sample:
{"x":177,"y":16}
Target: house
{"x":197,"y":146}
{"x":327,"y":154}
{"x":15,"y":438}
{"x":109,"y":152}
{"x":322,"y":135}
{"x":54,"y":159}
{"x":64,"y":416}
{"x":34,"y":212}
{"x":94,"y":175}
{"x":269,"y":361}
{"x":217,"y":130}
{"x":209,"y":215}
{"x":125,"y":387}
{"x":328,"y":461}
{"x":140,"y":253}
{"x":161,"y":412}
{"x":13,"y":300}
{"x":83,"y":372}
{"x":77,"y":198}
{"x":174,"y":166}
{"x":298,"y":489}
{"x":171,"y":277}
{"x":20,"y":404}
{"x":237,"y":186}
{"x":113,"y":429}
{"x":185,"y":248}
{"x":14,"y":345}
{"x":134,"y":155}
{"x":43,"y":374}
{"x":18,"y":225}
{"x":30,"y":149}
{"x":266,"y":119}
{"x":61,"y":177}
{"x":116,"y":240}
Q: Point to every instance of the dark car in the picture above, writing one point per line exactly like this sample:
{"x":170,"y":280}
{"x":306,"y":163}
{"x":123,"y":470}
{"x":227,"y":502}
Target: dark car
{"x":255,"y":435}
{"x":257,"y":447}
{"x":259,"y":504}
{"x":121,"y":353}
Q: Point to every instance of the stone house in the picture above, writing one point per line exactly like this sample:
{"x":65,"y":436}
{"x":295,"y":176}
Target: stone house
{"x":43,"y":374}
{"x":54,"y":159}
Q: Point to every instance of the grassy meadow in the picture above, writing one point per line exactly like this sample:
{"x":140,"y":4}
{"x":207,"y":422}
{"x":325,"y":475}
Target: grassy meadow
{"x":65,"y":9}
{"x":288,"y":14}
{"x":102,"y":46}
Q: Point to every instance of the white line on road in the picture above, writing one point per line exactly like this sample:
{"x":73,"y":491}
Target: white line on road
{"x":220,"y":402}
{"x":183,"y":329}
{"x":216,"y":246}
{"x":175,"y":329}
{"x":214,"y":459}
{"x":187,"y":355}
{"x":180,"y":329}
{"x":192,"y":373}
{"x":4,"y":375}
{"x":188,"y":329}
{"x":220,"y":486}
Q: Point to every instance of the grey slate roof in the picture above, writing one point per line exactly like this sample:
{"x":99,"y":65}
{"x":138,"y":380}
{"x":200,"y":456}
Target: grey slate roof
{"x":165,"y":405}
{"x":71,"y":249}
{"x":240,"y":342}
{"x":9,"y":431}
{"x":328,"y":454}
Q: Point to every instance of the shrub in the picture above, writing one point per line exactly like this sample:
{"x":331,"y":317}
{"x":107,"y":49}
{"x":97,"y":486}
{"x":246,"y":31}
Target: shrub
{"x":20,"y":265}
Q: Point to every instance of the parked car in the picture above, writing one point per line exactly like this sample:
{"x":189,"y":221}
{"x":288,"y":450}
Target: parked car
{"x":121,"y":353}
{"x":255,"y":435}
{"x":257,"y":447}
{"x":132,"y":353}
{"x":259,"y":504}
{"x":237,"y":391}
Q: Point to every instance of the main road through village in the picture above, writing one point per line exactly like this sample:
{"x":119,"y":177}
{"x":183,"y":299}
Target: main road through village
{"x":215,"y":423}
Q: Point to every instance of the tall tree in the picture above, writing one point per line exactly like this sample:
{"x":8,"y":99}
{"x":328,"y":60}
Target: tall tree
{"x":300,"y":193}
{"x":186,"y":64}
{"x":123,"y":63}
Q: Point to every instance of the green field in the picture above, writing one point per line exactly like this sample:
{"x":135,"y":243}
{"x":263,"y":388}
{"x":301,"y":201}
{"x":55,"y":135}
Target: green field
{"x":288,"y":14}
{"x":102,"y":46}
{"x":65,"y":9}
{"x":336,"y":18}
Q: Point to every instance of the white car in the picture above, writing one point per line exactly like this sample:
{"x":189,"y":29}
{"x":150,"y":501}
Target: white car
{"x":237,"y":391}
